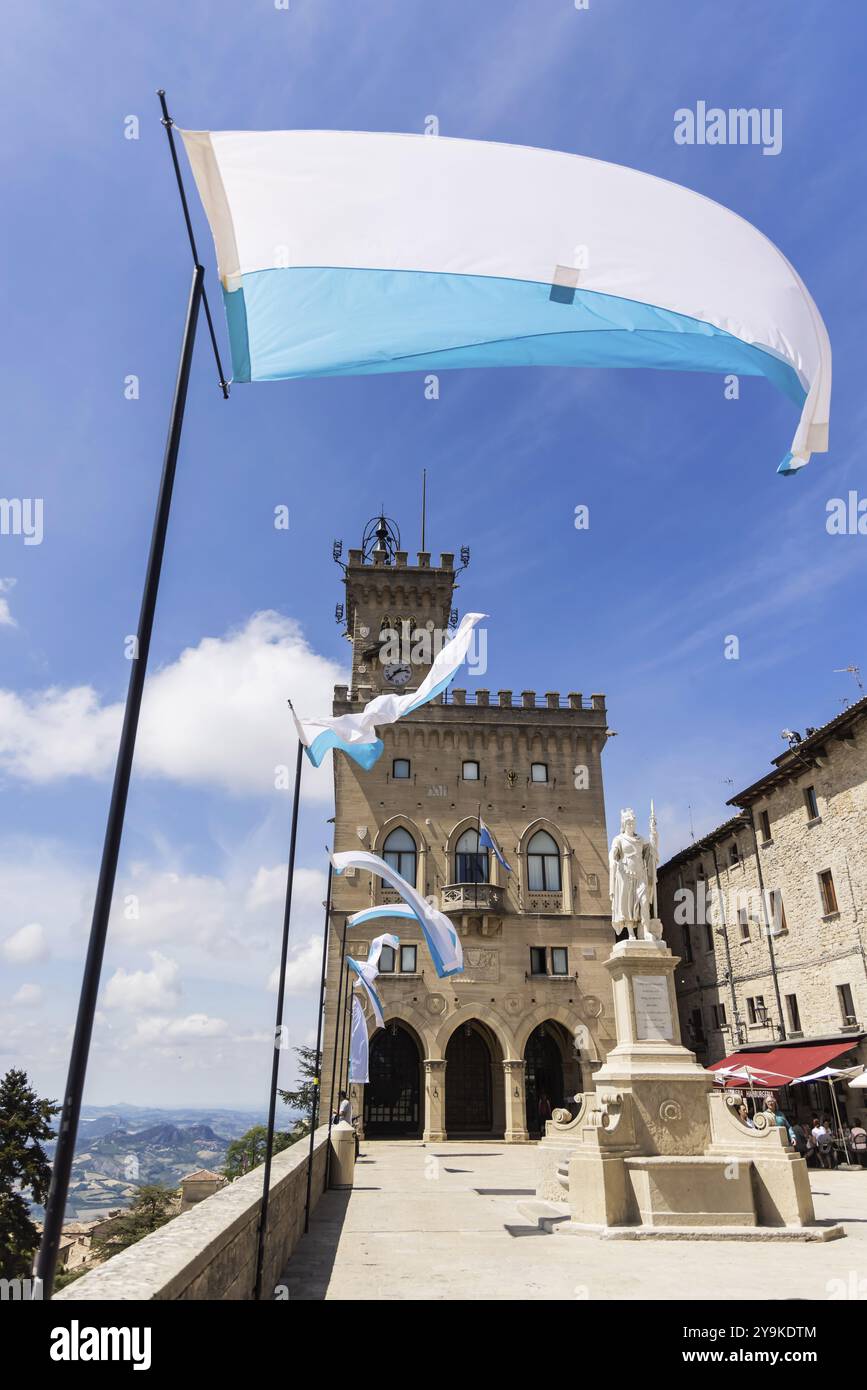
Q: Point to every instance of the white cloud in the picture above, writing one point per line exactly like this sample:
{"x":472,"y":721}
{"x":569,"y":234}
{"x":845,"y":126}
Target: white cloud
{"x":190,"y":1029}
{"x":28,"y":997}
{"x":6,"y":618}
{"x":217,"y":716}
{"x":140,"y":991}
{"x":303,"y":968}
{"x":26,"y":945}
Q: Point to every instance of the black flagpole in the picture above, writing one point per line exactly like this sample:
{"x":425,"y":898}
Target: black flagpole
{"x":278,"y":1029}
{"x":63,"y":1157}
{"x":71,"y":1111}
{"x":317,"y":1092}
{"x":337,"y":1016}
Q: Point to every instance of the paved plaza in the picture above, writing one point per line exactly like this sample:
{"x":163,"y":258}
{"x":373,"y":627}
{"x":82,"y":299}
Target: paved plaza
{"x":459,"y":1220}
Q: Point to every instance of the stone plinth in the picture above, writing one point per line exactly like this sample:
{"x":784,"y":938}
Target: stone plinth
{"x":655,"y":1147}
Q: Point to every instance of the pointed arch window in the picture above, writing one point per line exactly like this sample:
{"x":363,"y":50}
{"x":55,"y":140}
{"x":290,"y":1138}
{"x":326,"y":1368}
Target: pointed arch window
{"x":400,"y":852}
{"x":543,"y":864}
{"x":471,"y":863}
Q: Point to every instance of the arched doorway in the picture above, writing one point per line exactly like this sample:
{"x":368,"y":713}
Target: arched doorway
{"x":543,"y":1058}
{"x":392,"y":1095}
{"x":469,"y":1092}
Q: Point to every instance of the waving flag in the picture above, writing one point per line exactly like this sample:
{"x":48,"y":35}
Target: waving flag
{"x":487,"y":841}
{"x":343,"y":253}
{"x":355,"y":734}
{"x":440,"y":935}
{"x":359,"y":1051}
{"x":368,"y":970}
{"x":367,"y":986}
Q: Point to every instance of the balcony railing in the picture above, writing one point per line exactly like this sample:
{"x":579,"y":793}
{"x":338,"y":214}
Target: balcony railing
{"x":471,"y":897}
{"x":543,"y":902}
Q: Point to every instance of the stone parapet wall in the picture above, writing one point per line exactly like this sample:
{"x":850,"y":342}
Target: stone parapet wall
{"x":210,"y":1252}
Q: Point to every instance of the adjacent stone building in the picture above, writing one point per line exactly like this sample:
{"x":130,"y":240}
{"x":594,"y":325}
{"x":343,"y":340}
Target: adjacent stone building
{"x":784,"y":960}
{"x":532,"y":1013}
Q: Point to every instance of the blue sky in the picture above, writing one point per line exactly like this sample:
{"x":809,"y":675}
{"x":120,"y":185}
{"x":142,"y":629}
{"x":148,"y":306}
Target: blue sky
{"x":692,"y":536}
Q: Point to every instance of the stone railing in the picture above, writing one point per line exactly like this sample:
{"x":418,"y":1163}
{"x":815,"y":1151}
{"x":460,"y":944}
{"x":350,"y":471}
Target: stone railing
{"x":472,"y":897}
{"x":210,"y":1251}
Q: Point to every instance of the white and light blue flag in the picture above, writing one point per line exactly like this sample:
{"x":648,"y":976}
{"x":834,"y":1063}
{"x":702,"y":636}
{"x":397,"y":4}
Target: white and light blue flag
{"x":439,"y":933}
{"x":368,"y":970}
{"x":355,"y":734}
{"x":487,"y":841}
{"x":347,"y":252}
{"x":359,"y":1051}
{"x":367,"y":986}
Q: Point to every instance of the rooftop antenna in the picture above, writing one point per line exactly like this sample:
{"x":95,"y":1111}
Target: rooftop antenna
{"x":852,"y":671}
{"x":423,"y":503}
{"x":691,"y":826}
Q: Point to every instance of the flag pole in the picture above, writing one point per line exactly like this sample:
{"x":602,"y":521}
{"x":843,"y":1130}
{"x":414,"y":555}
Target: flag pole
{"x":71,"y":1111}
{"x":168,"y":123}
{"x":340,"y":976}
{"x":317,"y":1093}
{"x":347,"y":1008}
{"x":278,"y":1029}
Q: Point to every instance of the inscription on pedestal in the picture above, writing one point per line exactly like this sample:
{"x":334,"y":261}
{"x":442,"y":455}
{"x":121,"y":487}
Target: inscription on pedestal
{"x":652,"y":1007}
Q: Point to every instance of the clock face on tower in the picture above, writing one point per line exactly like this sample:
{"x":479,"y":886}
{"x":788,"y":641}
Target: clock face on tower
{"x":397,"y":673}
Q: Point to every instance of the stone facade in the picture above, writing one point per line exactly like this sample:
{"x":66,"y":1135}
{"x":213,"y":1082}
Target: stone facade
{"x":466,"y":754}
{"x":792,"y":966}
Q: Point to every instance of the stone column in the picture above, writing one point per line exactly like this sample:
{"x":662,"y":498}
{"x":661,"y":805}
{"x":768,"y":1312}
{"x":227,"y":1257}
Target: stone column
{"x":516,"y":1102}
{"x":434,"y":1100}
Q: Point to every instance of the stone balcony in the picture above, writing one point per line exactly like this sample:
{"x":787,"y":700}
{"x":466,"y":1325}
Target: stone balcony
{"x":478,"y":898}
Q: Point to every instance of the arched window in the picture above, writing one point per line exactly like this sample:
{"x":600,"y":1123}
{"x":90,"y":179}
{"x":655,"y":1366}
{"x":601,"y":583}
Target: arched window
{"x":543,"y":864}
{"x":471,"y":863}
{"x":400,"y":853}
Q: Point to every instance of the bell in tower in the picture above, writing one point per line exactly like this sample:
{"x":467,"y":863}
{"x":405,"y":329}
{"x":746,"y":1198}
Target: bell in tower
{"x":397,"y":613}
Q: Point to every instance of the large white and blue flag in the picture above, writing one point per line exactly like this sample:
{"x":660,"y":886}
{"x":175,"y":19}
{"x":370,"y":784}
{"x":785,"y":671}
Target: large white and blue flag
{"x":359,"y":1050}
{"x":355,"y":734}
{"x":487,"y":841}
{"x":349,"y":252}
{"x":439,"y":933}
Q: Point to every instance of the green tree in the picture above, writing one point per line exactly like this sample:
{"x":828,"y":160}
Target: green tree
{"x":25,"y":1122}
{"x":306,"y":1097}
{"x":249,"y":1151}
{"x":153,"y":1205}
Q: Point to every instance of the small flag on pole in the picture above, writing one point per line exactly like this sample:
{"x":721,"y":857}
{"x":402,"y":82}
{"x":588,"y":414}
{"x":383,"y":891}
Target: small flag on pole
{"x":355,"y":734}
{"x":487,"y":841}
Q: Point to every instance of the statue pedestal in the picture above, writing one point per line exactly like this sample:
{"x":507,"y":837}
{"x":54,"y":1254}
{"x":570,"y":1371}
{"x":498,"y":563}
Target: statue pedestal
{"x":655,"y":1148}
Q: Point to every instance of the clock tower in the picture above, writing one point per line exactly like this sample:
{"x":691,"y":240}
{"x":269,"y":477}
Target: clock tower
{"x":491,"y":1050}
{"x":397,"y":615}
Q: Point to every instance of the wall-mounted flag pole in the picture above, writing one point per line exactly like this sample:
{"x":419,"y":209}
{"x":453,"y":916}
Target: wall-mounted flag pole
{"x":278,"y":1029}
{"x":71,"y":1111}
{"x":317,"y":1092}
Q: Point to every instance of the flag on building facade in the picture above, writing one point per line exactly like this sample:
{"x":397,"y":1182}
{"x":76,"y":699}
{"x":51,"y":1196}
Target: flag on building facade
{"x":348,"y":252}
{"x":355,"y":734}
{"x":487,"y":841}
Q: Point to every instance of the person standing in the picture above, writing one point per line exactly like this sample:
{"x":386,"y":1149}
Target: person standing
{"x":544,"y":1108}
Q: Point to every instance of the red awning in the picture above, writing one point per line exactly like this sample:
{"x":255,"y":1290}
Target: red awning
{"x":779,"y":1065}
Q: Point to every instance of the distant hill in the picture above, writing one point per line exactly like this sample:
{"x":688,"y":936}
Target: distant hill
{"x":120,"y":1147}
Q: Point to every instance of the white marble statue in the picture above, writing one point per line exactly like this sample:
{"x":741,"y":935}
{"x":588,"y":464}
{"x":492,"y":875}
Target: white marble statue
{"x":632,"y":867}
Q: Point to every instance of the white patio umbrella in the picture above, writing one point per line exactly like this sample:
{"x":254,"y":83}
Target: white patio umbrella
{"x":858,"y":1083}
{"x":752,"y":1075}
{"x":832,"y":1074}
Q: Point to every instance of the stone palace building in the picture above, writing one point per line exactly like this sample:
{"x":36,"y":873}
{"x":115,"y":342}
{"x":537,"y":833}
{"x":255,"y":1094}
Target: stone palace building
{"x":532,"y":1013}
{"x":785,"y":960}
